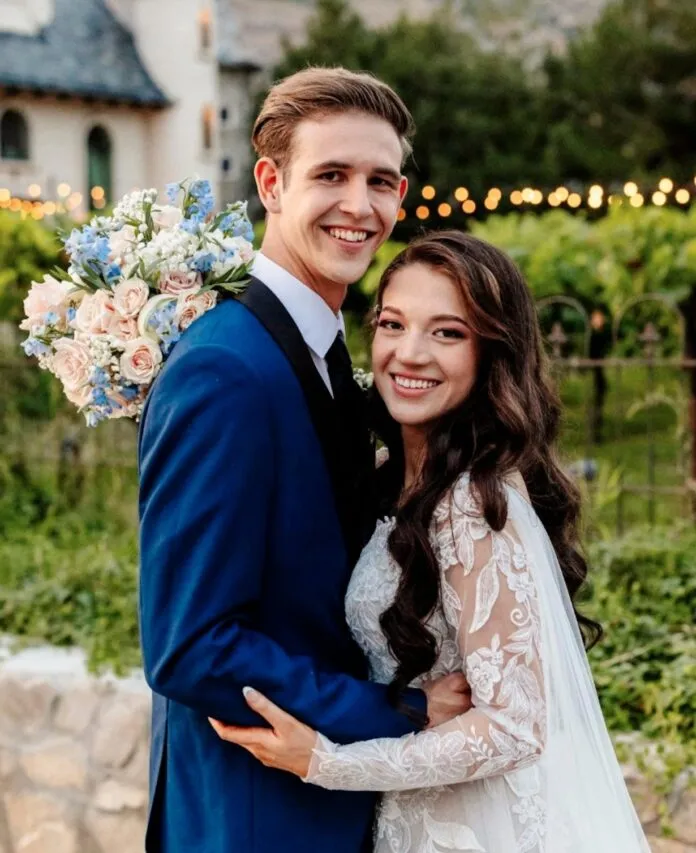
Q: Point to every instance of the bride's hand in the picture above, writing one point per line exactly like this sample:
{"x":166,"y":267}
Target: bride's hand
{"x":287,"y":745}
{"x":448,"y":697}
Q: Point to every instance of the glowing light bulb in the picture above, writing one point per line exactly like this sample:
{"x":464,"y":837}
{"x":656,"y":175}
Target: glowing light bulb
{"x":428,"y":192}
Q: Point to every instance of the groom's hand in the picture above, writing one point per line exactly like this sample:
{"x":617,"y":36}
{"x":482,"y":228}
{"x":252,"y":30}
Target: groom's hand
{"x":448,"y":697}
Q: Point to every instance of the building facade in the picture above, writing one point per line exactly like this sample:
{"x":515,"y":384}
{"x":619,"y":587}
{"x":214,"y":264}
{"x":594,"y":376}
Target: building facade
{"x":98,"y":97}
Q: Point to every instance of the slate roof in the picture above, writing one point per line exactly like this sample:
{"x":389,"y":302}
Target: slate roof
{"x":234,"y":49}
{"x":83,"y":52}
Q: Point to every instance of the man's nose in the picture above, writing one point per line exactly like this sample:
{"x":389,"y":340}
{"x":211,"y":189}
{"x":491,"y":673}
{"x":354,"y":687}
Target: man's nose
{"x":356,"y":200}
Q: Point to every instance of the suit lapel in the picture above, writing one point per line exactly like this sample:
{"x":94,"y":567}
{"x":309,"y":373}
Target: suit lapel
{"x":272,"y":314}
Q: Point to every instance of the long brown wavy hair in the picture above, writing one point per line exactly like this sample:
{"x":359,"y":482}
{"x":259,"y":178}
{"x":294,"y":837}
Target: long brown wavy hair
{"x":509,"y":422}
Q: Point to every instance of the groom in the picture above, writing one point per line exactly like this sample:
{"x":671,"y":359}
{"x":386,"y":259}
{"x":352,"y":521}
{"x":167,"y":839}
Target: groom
{"x":256,"y":474}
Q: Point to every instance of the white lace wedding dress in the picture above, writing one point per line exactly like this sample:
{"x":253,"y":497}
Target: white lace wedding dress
{"x":531,"y":766}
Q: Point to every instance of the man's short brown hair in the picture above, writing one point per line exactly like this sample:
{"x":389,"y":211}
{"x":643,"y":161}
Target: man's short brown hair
{"x":316,"y":93}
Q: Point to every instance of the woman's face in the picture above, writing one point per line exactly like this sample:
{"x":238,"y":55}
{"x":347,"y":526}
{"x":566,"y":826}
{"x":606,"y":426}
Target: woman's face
{"x":424,"y":355}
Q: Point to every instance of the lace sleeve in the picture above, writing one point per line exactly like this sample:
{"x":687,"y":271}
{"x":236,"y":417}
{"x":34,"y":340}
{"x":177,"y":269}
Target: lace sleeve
{"x":490,"y":602}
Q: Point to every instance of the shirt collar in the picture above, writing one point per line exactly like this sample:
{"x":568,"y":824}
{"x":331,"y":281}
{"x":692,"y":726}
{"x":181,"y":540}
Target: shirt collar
{"x":317,"y":323}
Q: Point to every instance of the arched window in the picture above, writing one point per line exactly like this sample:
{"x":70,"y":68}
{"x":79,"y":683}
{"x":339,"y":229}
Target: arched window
{"x":14,"y":136}
{"x":99,"y":167}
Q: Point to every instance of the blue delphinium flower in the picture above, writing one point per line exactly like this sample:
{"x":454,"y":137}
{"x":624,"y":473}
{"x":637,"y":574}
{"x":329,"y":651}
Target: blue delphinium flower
{"x":129,"y":392}
{"x":33,"y":346}
{"x":51,"y":318}
{"x":71,"y":313}
{"x":203,"y":261}
{"x":172,"y":191}
{"x":99,"y":377}
{"x":99,"y":397}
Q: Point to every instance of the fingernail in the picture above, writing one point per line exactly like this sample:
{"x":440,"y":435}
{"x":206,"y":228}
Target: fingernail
{"x":248,"y":692}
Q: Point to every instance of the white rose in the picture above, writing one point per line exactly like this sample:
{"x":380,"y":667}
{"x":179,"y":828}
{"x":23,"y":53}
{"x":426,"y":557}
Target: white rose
{"x":130,"y":296}
{"x":72,"y":363}
{"x":166,"y":216}
{"x":141,"y":361}
{"x":177,"y":283}
{"x":193,"y":306}
{"x":122,"y":241}
{"x":95,"y":313}
{"x":153,"y":304}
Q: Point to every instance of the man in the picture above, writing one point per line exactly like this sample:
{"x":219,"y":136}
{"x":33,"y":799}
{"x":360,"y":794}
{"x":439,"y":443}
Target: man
{"x":255,"y":497}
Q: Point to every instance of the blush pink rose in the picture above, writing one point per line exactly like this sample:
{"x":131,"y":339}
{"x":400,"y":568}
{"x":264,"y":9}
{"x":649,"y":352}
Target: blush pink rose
{"x":124,"y":328}
{"x":130,"y":296}
{"x":178,"y":283}
{"x":79,"y":397}
{"x":166,"y":216}
{"x":46,"y":296}
{"x":193,"y":306}
{"x":95,"y":314}
{"x":72,"y":363}
{"x":140,"y":361}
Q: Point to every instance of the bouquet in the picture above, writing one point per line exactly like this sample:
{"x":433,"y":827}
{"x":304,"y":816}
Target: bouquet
{"x":136,"y":282}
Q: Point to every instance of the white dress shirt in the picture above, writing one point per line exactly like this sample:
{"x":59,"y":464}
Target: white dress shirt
{"x":317,"y":323}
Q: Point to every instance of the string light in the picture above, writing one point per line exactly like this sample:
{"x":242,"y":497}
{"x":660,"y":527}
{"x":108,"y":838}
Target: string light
{"x":659,"y":198}
{"x":401,"y":215}
{"x":63,"y":190}
{"x":554,"y":200}
{"x":516,"y":197}
{"x":97,"y":193}
{"x":461,"y":194}
{"x":682,"y":196}
{"x":34,"y":190}
{"x":562,"y":194}
{"x":428,"y":192}
{"x":630,"y":189}
{"x":469,"y":206}
{"x":637,"y":200}
{"x":422,"y":212}
{"x":490,"y":203}
{"x":666,"y":185}
{"x":574,"y":200}
{"x":444,"y":209}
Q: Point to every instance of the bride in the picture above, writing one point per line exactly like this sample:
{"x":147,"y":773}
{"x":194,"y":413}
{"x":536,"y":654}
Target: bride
{"x":474,"y":569}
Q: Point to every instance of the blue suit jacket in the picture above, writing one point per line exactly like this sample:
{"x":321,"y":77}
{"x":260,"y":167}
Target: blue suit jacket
{"x":247,"y":520}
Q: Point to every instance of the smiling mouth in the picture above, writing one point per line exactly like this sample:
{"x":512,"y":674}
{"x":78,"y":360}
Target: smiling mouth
{"x":349,"y":235}
{"x":408,"y":383}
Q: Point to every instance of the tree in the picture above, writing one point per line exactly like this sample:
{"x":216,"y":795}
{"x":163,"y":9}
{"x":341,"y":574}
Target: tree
{"x":622,"y":102}
{"x":478,"y":117}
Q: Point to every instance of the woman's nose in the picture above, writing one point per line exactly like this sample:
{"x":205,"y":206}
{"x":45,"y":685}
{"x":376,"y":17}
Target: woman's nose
{"x":411,"y":350}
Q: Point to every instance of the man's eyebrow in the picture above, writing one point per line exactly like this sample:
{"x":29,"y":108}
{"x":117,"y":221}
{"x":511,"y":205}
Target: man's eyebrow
{"x":339,"y":165}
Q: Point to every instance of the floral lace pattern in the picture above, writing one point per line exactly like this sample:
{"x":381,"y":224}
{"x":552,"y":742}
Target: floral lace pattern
{"x":474,"y":783}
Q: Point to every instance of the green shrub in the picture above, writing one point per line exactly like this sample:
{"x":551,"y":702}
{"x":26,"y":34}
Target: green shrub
{"x":644,"y":593}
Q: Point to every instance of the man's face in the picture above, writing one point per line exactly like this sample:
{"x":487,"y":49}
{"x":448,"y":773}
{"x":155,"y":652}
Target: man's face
{"x":338,"y":198}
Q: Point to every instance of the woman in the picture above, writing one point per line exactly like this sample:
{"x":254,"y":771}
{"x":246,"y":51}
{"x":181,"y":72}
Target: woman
{"x":475,"y":571}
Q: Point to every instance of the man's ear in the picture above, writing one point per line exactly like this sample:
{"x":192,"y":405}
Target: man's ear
{"x":268,"y":183}
{"x":403,"y":188}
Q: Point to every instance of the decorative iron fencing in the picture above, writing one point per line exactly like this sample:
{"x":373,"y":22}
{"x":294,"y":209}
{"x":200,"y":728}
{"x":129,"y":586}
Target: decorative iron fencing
{"x":629,"y":388}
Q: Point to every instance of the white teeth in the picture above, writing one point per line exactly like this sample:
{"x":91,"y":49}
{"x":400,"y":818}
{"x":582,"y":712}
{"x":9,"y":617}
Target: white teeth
{"x":350,"y":236}
{"x":403,"y":382}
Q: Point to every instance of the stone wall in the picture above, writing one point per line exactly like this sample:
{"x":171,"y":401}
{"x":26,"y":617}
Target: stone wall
{"x":74,"y":756}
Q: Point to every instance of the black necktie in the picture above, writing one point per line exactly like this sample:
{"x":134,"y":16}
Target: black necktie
{"x":340,"y":372}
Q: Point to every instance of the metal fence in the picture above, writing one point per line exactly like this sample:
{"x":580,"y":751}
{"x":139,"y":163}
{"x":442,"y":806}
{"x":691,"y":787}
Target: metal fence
{"x":628,"y":381}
